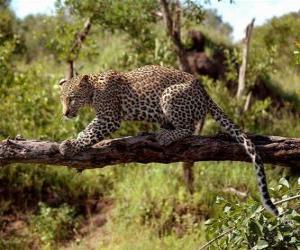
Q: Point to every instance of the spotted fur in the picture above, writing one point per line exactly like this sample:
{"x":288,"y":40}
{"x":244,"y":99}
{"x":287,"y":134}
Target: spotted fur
{"x":174,"y":99}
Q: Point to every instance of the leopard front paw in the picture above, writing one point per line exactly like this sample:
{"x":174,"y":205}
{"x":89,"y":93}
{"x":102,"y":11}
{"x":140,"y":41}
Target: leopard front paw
{"x":69,"y":148}
{"x":163,"y":138}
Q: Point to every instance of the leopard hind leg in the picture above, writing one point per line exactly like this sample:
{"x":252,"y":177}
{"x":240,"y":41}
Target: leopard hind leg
{"x":179,"y":116}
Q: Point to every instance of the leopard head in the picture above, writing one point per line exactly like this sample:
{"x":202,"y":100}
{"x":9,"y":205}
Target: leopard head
{"x":75,"y":93}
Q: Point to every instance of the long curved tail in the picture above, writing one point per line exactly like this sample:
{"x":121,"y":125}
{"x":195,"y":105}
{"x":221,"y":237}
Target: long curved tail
{"x":242,"y":138}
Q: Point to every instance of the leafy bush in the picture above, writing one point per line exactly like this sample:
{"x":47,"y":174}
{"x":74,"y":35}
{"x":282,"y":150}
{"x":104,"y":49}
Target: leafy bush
{"x":246,"y":226}
{"x":52,"y":225}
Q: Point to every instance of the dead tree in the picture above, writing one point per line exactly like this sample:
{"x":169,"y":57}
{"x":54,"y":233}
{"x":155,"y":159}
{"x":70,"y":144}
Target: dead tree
{"x":145,"y":149}
{"x":245,"y":53}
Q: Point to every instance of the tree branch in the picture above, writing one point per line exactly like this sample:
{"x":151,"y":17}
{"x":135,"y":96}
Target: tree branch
{"x":75,"y":49}
{"x":173,"y":33}
{"x":80,"y":38}
{"x":145,"y":149}
{"x":173,"y":26}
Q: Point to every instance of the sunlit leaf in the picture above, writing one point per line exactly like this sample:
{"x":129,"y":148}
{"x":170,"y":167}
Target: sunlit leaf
{"x":261,"y":244}
{"x":284,"y":182}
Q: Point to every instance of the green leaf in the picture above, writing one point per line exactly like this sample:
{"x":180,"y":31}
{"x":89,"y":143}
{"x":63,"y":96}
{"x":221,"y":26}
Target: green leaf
{"x":261,"y":244}
{"x":279,"y":236}
{"x":254,"y":227}
{"x":227,"y":209}
{"x":284,"y":182}
{"x":219,"y":200}
{"x":296,"y":217}
{"x":209,"y":222}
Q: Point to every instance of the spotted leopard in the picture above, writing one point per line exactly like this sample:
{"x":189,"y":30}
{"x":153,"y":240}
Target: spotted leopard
{"x":174,"y":99}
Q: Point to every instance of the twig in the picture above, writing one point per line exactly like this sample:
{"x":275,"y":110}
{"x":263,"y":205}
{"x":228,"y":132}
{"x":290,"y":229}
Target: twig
{"x":232,"y":190}
{"x":287,"y":199}
{"x":215,"y":239}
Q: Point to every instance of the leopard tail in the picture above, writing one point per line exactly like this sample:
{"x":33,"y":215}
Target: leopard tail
{"x":243,"y":139}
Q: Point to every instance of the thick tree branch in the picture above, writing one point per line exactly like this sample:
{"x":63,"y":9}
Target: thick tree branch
{"x":188,"y":173}
{"x":145,"y":149}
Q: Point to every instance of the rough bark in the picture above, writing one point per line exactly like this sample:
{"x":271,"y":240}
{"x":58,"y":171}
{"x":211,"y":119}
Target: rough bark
{"x":145,"y":149}
{"x":188,"y":173}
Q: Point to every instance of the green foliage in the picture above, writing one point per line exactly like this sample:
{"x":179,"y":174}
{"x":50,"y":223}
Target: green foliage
{"x":62,"y":184}
{"x":113,"y":16}
{"x":193,"y":13}
{"x":51,"y":225}
{"x":6,"y":52}
{"x":159,"y":203}
{"x":297,"y":52}
{"x":38,"y":32}
{"x":246,"y":227}
{"x":15,"y":243}
{"x":277,"y":35}
{"x":30,"y":103}
{"x":7,"y":22}
{"x":274,"y":44}
{"x":258,"y":118}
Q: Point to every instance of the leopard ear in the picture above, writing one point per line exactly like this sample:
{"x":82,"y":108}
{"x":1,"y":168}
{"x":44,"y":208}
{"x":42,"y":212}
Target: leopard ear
{"x":84,"y":81}
{"x":62,"y":81}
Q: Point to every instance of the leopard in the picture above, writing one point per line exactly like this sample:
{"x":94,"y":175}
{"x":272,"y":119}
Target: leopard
{"x":177,"y":101}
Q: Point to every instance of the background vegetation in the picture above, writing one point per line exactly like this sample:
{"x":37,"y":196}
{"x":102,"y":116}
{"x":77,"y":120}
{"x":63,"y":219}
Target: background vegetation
{"x":140,"y":207}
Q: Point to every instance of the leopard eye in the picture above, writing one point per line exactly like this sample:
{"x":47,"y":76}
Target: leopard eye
{"x":72,"y":96}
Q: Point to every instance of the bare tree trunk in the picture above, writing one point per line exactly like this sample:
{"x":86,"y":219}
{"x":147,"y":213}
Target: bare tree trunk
{"x":245,"y":53}
{"x":145,"y":149}
{"x":188,"y":176}
{"x":188,"y":171}
{"x":248,"y":101}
